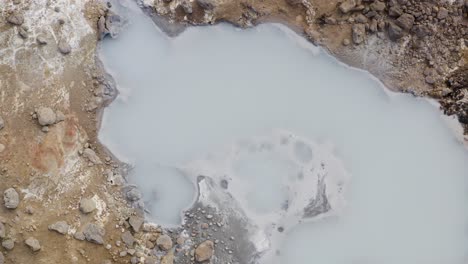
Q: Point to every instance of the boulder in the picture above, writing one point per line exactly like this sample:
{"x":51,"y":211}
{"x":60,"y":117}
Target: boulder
{"x":8,"y":244}
{"x":93,"y":233}
{"x":204,"y":251}
{"x":128,"y":239}
{"x":378,"y":6}
{"x":164,"y":242}
{"x":11,"y":198}
{"x":46,"y":116}
{"x":33,"y":244}
{"x":395,"y":32}
{"x":347,"y":6}
{"x":136,"y":222}
{"x":359,"y":33}
{"x":87,"y":205}
{"x":405,"y":21}
{"x":64,"y":47}
{"x":60,"y":227}
{"x":15,"y":19}
{"x":91,"y":156}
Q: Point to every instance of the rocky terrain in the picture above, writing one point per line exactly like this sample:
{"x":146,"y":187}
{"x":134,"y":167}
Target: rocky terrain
{"x":64,"y":196}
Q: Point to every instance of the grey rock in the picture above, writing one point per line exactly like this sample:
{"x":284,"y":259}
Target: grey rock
{"x":2,"y":231}
{"x":136,"y":222}
{"x":46,"y":116}
{"x":128,"y":239}
{"x":2,"y":123}
{"x":347,"y":6}
{"x":15,"y":19}
{"x":186,"y":6}
{"x":394,"y":32}
{"x":8,"y":244}
{"x":114,"y":24}
{"x":206,"y":4}
{"x":60,"y":227}
{"x":2,"y":258}
{"x":405,"y":21}
{"x":87,"y":205}
{"x":421,"y":31}
{"x":91,"y":156}
{"x":377,"y":6}
{"x":79,"y":236}
{"x":164,"y":242}
{"x":133,"y":195}
{"x":359,"y":33}
{"x":360,"y":18}
{"x":395,"y":11}
{"x":23,"y":33}
{"x":93,"y":233}
{"x":33,"y":244}
{"x":64,"y":47}
{"x":41,"y":39}
{"x":11,"y":198}
{"x":149,"y":260}
{"x":443,"y":13}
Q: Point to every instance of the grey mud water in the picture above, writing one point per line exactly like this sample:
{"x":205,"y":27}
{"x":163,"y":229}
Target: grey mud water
{"x":316,"y":159}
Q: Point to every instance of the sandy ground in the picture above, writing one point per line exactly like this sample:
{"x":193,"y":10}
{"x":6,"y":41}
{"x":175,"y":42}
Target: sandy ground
{"x":50,"y":166}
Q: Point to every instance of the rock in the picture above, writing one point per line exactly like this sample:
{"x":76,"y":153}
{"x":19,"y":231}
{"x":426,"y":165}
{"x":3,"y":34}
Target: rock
{"x":2,"y":123}
{"x":93,"y":233}
{"x":394,"y":32}
{"x":204,"y":251}
{"x":11,"y":198}
{"x":360,"y":18}
{"x":79,"y":236}
{"x":377,"y":6}
{"x":206,"y":4}
{"x":91,"y":156}
{"x":2,"y":148}
{"x":128,"y":239}
{"x":422,"y":31}
{"x":347,"y":6}
{"x":41,"y":39}
{"x":395,"y":11}
{"x":15,"y":19}
{"x":60,"y":116}
{"x":87,"y":205}
{"x":164,"y":242}
{"x":64,"y":47}
{"x":168,"y":259}
{"x":33,"y":244}
{"x":186,"y":6}
{"x":2,"y":231}
{"x":443,"y":13}
{"x":359,"y":33}
{"x":405,"y":21}
{"x":2,"y":258}
{"x":60,"y":227}
{"x":133,"y":195}
{"x":136,"y":222}
{"x":101,"y":26}
{"x":46,"y":116}
{"x":429,"y":79}
{"x":8,"y":244}
{"x":23,"y":33}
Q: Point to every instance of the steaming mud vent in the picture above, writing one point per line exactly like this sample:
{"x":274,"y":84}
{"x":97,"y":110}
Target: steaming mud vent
{"x":323,"y":164}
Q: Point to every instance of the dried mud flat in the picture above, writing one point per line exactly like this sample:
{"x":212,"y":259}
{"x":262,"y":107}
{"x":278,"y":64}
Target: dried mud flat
{"x":64,"y":196}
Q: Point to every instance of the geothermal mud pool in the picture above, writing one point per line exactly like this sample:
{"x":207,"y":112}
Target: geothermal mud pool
{"x":321,"y":161}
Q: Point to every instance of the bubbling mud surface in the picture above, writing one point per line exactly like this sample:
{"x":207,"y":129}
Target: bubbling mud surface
{"x":325,"y":165}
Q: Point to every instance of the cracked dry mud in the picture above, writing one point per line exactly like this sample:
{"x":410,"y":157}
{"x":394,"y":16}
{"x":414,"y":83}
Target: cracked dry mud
{"x":64,"y":198}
